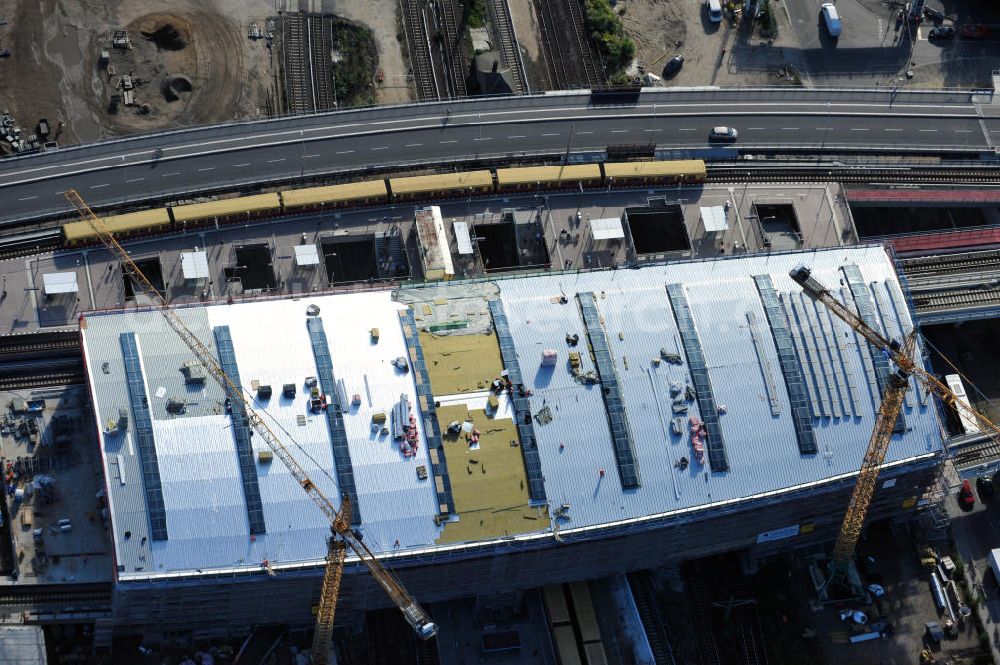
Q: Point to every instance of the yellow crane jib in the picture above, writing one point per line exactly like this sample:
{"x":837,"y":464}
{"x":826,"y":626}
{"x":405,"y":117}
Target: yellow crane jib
{"x":340,"y":521}
{"x":892,"y":401}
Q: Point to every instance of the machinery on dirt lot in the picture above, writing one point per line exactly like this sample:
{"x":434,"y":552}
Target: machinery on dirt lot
{"x":342,"y":536}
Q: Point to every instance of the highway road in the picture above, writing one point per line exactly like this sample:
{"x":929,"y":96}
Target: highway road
{"x":124,"y":171}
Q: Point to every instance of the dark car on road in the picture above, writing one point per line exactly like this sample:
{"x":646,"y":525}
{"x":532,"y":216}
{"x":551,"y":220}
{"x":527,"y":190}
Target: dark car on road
{"x":984,"y":485}
{"x":673,"y":66}
{"x":966,"y":499}
{"x":943,"y":32}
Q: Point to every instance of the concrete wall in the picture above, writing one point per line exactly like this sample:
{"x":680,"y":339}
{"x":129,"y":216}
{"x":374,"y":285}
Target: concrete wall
{"x":181,"y":609}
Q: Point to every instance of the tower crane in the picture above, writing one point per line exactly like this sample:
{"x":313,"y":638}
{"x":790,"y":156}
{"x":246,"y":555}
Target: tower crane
{"x":901,"y":356}
{"x":342,"y":536}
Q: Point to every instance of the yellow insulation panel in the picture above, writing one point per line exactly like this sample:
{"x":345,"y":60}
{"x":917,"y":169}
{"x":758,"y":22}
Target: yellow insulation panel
{"x":688,"y":168}
{"x":226,"y":207}
{"x":124,"y":223}
{"x":548,"y":174}
{"x":477,"y":180}
{"x":352,"y":191}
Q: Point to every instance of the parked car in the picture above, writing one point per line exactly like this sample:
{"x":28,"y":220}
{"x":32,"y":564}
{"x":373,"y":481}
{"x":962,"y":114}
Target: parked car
{"x":943,"y":32}
{"x":714,"y":10}
{"x":832,"y":19}
{"x":975,"y":32}
{"x":966,"y":499}
{"x":673,"y":66}
{"x":5,"y":53}
{"x":984,"y":485}
{"x":722,"y":134}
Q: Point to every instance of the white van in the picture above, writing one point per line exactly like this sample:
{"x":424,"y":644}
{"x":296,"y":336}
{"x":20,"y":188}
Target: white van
{"x":714,"y":10}
{"x":832,"y":19}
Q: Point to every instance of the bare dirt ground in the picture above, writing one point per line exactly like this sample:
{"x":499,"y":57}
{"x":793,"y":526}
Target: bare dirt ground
{"x":54,"y":71}
{"x":664,"y":28}
{"x":528,"y":38}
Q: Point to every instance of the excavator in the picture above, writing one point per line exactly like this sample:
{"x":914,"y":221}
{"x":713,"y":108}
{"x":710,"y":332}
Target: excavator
{"x":901,"y":355}
{"x":341,"y":534}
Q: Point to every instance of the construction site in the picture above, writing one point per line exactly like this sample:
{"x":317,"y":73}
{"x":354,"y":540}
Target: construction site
{"x":518,"y":450}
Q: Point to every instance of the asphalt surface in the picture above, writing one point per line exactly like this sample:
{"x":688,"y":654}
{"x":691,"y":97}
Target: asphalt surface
{"x":124,"y":171}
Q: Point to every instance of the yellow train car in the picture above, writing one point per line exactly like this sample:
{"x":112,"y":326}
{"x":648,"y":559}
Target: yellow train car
{"x":129,"y":223}
{"x":351,"y":193}
{"x":548,"y":177}
{"x":446,"y":184}
{"x":241,"y":207}
{"x":630,"y":173}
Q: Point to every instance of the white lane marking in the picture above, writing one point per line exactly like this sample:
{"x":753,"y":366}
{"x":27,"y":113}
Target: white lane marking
{"x":207,"y":168}
{"x":550,"y":134}
{"x":652,"y":130}
{"x":963,"y":131}
{"x":28,"y":198}
{"x":344,"y":152}
{"x":99,"y":186}
{"x":756,"y":129}
{"x":310,"y":156}
{"x":859,"y":129}
{"x":240,"y":165}
{"x":382,"y":147}
{"x":135,"y":180}
{"x":686,"y":129}
{"x":789,"y":129}
{"x":272,"y":161}
{"x":518,"y":136}
{"x":824,"y":129}
{"x":409,"y":145}
{"x":485,"y":138}
{"x":926,"y":130}
{"x":443,"y":142}
{"x":167,"y":175}
{"x":585,"y":132}
{"x":892,"y":129}
{"x":619,"y":131}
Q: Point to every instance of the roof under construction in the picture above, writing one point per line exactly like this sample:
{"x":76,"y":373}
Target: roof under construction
{"x":632,"y":395}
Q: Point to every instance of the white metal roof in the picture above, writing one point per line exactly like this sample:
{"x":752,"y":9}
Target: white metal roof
{"x":607,"y":228}
{"x":306,"y":255}
{"x":203,"y":495}
{"x":202,"y":492}
{"x":462,"y":238}
{"x":194,"y":265}
{"x":714,"y":218}
{"x":60,"y":282}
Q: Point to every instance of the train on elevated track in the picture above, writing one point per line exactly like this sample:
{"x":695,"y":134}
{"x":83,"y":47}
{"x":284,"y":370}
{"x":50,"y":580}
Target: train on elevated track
{"x":528,"y":179}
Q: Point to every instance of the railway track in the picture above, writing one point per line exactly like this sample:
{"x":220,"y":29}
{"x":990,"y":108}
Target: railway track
{"x":419,"y":48}
{"x":456,"y":62}
{"x":25,"y":595}
{"x":28,"y":244}
{"x":852,"y":174}
{"x":951,"y":264}
{"x":320,"y":32}
{"x":503,"y":24}
{"x":927,"y":302}
{"x":23,"y":375}
{"x":39,"y":345}
{"x":572,"y":60}
{"x":298,"y":72}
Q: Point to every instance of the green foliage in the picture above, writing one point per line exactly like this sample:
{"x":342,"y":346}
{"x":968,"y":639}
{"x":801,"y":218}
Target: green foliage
{"x":768,"y":21}
{"x":475,"y":13}
{"x":354,"y":73}
{"x":608,"y":35}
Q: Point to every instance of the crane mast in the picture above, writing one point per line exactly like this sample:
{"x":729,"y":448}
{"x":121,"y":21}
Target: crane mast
{"x":892,"y":402}
{"x":339,"y":521}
